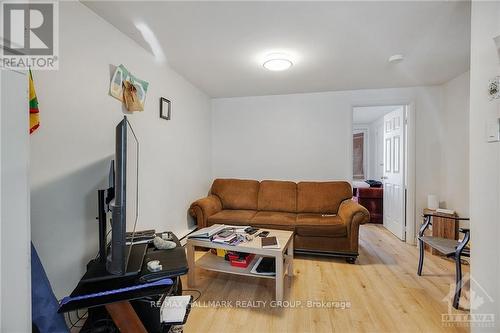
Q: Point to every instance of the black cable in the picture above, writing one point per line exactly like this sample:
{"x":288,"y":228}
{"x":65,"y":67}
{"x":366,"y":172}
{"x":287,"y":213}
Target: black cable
{"x":105,"y":239}
{"x":75,"y":324}
{"x":108,"y":324}
{"x":194,"y":290}
{"x":71,"y":321}
{"x":82,"y":316}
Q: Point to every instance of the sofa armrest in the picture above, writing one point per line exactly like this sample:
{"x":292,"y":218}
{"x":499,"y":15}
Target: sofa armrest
{"x":203,"y":208}
{"x":353,"y":214}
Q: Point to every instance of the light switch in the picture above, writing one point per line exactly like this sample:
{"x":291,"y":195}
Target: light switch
{"x":493,"y":130}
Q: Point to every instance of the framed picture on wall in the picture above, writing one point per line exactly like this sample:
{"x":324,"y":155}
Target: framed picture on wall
{"x":165,"y":108}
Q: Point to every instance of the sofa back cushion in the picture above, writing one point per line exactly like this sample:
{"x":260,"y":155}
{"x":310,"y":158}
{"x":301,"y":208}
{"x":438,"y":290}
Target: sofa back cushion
{"x":322,"y":197}
{"x":277,"y":196}
{"x":236,"y":193}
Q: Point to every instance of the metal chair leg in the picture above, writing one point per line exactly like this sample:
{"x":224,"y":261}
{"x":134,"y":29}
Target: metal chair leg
{"x":458,"y":265}
{"x":427,"y":222}
{"x":458,"y":281}
{"x":421,"y":258}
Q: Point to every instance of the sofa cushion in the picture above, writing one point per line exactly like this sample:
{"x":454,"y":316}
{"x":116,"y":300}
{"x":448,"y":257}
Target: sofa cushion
{"x":280,"y":220}
{"x":322,"y":197}
{"x":228,"y":216}
{"x":278,"y":196}
{"x":236,"y":193}
{"x":317,"y":225}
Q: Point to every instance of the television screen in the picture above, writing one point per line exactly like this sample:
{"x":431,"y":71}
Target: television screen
{"x":125,"y":207}
{"x":132,"y":175}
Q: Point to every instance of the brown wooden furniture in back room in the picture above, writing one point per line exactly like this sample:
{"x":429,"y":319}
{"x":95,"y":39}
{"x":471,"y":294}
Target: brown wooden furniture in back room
{"x":372,"y":198}
{"x":443,"y":226}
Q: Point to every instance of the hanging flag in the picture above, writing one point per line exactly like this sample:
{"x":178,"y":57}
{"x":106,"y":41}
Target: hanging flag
{"x":34,"y":112}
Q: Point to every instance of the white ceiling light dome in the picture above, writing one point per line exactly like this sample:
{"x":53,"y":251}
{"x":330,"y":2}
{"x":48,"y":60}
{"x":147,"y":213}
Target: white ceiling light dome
{"x":277,"y":62}
{"x":396,"y":58}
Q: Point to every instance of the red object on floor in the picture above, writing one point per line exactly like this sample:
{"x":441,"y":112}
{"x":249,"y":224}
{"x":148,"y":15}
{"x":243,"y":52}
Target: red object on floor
{"x":372,"y":199}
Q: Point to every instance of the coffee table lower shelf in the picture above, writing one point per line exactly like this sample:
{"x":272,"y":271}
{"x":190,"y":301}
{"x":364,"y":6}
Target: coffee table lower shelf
{"x":209,"y":261}
{"x":212,"y":262}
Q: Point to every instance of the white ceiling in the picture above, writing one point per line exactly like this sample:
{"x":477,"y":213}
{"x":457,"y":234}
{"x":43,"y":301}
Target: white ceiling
{"x":218,"y":46}
{"x":365,"y":115}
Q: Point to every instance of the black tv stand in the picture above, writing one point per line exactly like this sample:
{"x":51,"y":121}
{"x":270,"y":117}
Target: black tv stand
{"x":96,"y":269}
{"x":131,"y":309}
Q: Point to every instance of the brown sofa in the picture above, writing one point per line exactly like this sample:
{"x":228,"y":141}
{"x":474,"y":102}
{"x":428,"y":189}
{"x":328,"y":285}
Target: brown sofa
{"x":322,"y":214}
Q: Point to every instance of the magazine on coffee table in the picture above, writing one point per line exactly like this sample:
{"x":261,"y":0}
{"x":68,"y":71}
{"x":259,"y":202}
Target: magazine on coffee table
{"x":208,"y":232}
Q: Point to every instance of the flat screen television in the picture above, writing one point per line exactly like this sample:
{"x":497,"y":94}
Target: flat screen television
{"x":121,"y":258}
{"x":118,"y":254}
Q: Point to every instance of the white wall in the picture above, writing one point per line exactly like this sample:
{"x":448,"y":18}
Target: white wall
{"x":455,"y":156}
{"x":484,"y":160}
{"x":309,"y":136}
{"x":303,"y":136}
{"x":71,"y":151}
{"x":15,"y":248}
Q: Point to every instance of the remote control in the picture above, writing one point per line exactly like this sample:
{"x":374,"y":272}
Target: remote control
{"x":263,"y":234}
{"x":251,"y":230}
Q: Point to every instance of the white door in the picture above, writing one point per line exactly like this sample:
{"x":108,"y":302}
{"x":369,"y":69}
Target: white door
{"x":394,"y":187}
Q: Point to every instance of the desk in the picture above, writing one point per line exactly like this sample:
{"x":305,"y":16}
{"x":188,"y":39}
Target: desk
{"x":120,"y":306}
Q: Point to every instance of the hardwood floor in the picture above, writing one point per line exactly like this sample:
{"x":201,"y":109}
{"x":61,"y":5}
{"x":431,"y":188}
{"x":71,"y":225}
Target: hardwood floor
{"x":380,"y":293}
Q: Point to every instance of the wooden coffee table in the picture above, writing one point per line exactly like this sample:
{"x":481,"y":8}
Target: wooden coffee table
{"x":211,"y":262}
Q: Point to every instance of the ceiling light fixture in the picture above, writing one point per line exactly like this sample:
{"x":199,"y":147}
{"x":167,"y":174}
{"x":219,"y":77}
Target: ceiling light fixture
{"x":396,"y":58}
{"x":277,"y":62}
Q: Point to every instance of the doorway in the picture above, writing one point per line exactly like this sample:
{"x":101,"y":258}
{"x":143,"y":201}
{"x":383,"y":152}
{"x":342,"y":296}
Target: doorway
{"x":380,"y":164}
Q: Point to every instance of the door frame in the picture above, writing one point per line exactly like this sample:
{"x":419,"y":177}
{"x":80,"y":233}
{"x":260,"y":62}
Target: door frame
{"x":410,"y":162}
{"x":366,"y":145}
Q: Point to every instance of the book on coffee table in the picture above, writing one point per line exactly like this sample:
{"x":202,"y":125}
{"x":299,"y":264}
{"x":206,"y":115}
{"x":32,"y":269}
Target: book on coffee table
{"x":208,"y":232}
{"x":270,"y":243}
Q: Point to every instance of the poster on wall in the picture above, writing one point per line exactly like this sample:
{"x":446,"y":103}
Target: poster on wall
{"x":121,"y":75}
